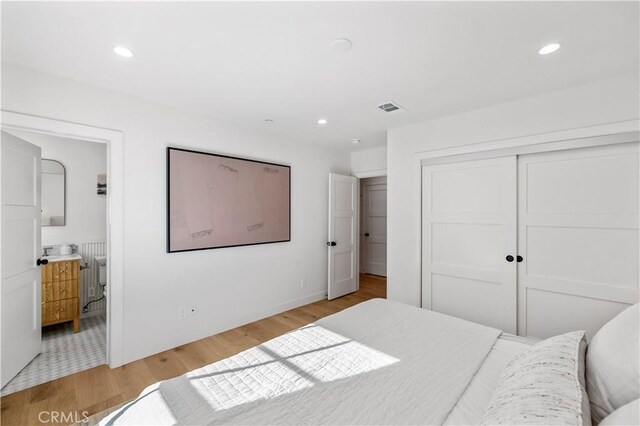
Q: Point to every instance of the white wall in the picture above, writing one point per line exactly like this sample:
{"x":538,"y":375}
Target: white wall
{"x":86,"y":211}
{"x":370,"y":162}
{"x":607,"y":101}
{"x":229,"y":287}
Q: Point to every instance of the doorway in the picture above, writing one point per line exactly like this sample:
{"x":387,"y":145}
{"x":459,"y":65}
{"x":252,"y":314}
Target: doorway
{"x":373,"y":226}
{"x":113,"y":140}
{"x":357,"y":234}
{"x":72,"y":260}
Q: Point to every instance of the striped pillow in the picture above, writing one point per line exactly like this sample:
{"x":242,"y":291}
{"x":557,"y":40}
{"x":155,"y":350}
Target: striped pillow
{"x":543,"y":385}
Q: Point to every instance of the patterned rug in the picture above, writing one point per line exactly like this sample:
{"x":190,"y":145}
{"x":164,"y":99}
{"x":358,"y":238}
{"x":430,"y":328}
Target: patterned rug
{"x":64,"y":352}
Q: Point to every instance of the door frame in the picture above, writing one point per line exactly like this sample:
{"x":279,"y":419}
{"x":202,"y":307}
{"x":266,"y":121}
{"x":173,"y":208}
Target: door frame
{"x":114,"y":139}
{"x":605,"y":134}
{"x":363,"y":175}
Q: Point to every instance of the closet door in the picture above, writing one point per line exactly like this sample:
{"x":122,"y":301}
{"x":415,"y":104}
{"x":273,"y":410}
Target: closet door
{"x":578,"y":235}
{"x":468,"y":232}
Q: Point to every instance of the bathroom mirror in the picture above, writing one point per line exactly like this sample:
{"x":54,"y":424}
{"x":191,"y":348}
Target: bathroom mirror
{"x":53,"y":193}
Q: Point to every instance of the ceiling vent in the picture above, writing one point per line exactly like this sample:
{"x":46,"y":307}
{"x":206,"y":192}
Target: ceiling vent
{"x":390,"y":107}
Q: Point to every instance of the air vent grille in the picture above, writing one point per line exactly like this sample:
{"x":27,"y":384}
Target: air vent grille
{"x":390,"y":107}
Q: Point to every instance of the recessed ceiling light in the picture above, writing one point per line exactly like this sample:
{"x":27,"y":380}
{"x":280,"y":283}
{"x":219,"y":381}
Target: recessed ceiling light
{"x":125,"y":52}
{"x":268,"y":121}
{"x":322,"y":121}
{"x":341,"y":45}
{"x":549,"y":48}
{"x":355,"y":141}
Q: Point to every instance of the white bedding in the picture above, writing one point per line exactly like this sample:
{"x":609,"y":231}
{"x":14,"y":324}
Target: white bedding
{"x":379,"y":362}
{"x":471,"y":406}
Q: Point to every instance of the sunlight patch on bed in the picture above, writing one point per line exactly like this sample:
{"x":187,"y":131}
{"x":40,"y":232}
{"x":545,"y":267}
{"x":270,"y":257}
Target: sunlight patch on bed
{"x":328,"y":356}
{"x":291,"y":363}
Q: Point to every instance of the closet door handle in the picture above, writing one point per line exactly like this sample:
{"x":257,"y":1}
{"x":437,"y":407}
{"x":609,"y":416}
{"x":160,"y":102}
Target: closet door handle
{"x":366,"y":234}
{"x":519,"y":258}
{"x":42,"y":262}
{"x":332,"y":243}
{"x":509,"y":258}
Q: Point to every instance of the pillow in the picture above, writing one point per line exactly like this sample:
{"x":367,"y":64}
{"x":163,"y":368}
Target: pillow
{"x":628,"y":414}
{"x":612,"y":375}
{"x":543,"y":385}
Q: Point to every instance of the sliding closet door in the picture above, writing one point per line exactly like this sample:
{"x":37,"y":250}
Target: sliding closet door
{"x":578,"y":235}
{"x":468,"y":231}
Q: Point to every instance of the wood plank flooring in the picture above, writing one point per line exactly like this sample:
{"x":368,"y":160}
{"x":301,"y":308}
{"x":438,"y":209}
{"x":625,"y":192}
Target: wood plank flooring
{"x":101,"y":388}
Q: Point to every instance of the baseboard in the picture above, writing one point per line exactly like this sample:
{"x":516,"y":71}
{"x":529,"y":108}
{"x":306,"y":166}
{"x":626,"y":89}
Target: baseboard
{"x":282,"y":307}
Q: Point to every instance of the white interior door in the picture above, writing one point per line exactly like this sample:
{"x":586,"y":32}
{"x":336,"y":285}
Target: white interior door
{"x":343,"y":234}
{"x":578,"y":235}
{"x":19,"y":251}
{"x":468,"y":231}
{"x":375,"y":227}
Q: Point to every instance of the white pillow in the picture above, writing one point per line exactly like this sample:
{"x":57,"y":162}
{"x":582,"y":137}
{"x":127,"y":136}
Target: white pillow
{"x":628,"y":414}
{"x":543,"y":385}
{"x":612,"y":373}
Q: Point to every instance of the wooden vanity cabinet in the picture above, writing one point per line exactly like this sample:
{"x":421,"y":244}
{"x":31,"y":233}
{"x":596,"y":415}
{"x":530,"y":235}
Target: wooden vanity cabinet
{"x":60,"y":293}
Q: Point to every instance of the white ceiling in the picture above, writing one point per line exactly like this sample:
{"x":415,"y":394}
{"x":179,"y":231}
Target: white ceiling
{"x":246,"y":62}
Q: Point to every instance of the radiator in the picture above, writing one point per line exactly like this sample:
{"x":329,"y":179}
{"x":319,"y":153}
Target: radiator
{"x":89,"y":275}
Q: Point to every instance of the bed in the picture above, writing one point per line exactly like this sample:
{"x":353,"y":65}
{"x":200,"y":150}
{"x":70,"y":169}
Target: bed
{"x":379,"y":362}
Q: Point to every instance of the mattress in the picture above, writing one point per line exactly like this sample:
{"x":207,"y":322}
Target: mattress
{"x":471,"y":406}
{"x":379,"y":362}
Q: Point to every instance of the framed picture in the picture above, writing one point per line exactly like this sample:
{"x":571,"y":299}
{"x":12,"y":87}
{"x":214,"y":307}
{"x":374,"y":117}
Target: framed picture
{"x":216,"y":201}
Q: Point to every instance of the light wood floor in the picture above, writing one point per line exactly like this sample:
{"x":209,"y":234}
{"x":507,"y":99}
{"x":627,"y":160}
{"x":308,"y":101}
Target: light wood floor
{"x":100,"y":388}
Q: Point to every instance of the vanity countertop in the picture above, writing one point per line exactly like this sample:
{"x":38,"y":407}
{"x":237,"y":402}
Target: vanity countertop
{"x":60,"y":258}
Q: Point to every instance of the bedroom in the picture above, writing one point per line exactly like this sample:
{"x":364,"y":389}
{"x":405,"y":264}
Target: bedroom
{"x":294,"y":84}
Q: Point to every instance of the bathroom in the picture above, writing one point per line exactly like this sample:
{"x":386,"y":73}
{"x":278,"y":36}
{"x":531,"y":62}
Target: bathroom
{"x":73,"y":263}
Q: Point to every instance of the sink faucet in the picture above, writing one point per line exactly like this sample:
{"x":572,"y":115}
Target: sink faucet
{"x":46,"y":249}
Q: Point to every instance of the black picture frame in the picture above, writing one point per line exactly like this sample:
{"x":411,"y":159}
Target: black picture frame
{"x":169,"y":149}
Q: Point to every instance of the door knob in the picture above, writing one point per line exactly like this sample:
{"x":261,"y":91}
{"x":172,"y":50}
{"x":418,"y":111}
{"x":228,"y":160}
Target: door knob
{"x":366,"y":234}
{"x":509,"y":258}
{"x":519,"y":258}
{"x":42,"y":262}
{"x":331,"y":243}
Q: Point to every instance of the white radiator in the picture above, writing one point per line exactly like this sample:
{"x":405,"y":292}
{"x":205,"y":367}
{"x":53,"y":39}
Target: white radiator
{"x":89,"y":276}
